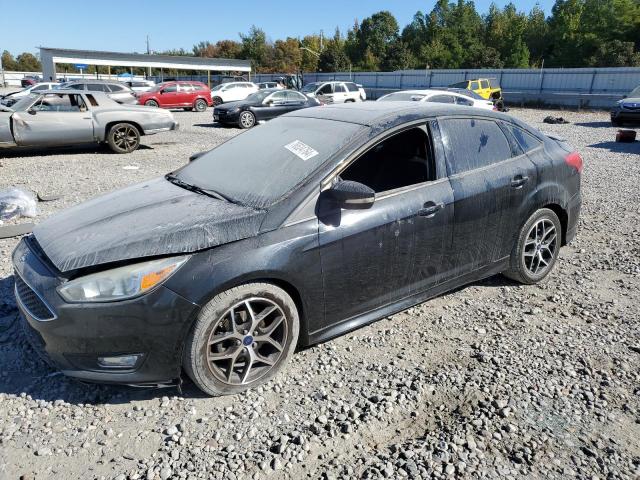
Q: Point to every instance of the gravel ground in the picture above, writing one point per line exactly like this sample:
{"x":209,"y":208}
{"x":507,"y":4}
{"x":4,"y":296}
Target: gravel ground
{"x":494,"y":380}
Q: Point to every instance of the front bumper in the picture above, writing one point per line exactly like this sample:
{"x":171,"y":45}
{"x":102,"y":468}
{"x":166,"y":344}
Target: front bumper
{"x":224,"y":116}
{"x":74,"y":336}
{"x":625,"y":115}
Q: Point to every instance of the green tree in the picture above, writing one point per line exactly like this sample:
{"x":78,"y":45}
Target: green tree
{"x":28,"y":62}
{"x":254,"y":47}
{"x":8,"y":62}
{"x":310,"y":59}
{"x":615,"y":54}
{"x":536,"y":36}
{"x":333,"y":58}
{"x":287,"y":56}
{"x":397,"y":57}
{"x":505,"y":32}
{"x":377,"y":33}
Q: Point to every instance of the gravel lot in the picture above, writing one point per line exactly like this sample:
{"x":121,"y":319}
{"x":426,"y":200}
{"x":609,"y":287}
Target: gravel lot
{"x":495,"y":380}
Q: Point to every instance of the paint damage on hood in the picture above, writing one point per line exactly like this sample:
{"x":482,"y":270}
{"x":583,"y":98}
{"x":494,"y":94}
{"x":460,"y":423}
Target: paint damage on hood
{"x":144,"y":220}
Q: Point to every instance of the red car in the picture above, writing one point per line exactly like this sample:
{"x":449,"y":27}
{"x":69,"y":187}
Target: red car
{"x":182,"y":94}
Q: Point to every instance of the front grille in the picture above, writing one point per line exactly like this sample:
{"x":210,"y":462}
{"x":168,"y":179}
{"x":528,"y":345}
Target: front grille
{"x":31,"y":302}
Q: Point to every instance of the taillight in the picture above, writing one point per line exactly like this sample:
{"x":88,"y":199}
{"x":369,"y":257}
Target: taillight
{"x":574,"y":160}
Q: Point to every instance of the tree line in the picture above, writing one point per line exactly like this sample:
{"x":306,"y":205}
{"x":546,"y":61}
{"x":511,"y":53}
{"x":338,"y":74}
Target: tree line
{"x":577,"y":33}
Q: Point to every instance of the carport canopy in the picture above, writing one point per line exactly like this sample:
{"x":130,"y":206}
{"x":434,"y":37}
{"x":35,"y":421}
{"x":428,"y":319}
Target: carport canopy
{"x":50,"y":56}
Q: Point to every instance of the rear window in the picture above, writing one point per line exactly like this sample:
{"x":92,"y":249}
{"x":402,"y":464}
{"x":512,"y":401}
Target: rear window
{"x":352,"y":87}
{"x":460,"y":85}
{"x":441,"y":99}
{"x":472,"y":143}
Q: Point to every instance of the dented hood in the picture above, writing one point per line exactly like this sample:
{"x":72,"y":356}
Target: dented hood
{"x":144,"y":220}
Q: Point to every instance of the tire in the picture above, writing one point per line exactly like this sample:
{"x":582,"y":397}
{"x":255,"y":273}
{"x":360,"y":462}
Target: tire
{"x":123,"y":138}
{"x":500,"y":105}
{"x":200,"y":105}
{"x":151,"y":103}
{"x":216,"y":101}
{"x":222,"y":367}
{"x":537,"y":248}
{"x":187,"y":109}
{"x":246,"y":120}
{"x":350,"y":101}
{"x":616,"y":123}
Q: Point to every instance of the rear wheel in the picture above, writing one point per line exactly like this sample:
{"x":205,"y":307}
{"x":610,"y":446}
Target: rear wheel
{"x":200,"y":105}
{"x":537,"y":247}
{"x":247,"y":120}
{"x":123,"y":138}
{"x":241,"y":339}
{"x":151,"y":103}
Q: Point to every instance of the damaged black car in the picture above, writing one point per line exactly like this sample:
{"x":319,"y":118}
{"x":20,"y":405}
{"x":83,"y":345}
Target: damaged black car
{"x":319,"y":222}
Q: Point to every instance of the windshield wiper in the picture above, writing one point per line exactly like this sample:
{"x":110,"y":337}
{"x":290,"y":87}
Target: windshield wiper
{"x":195,"y":189}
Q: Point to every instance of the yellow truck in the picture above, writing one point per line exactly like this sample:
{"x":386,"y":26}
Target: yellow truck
{"x":484,"y":88}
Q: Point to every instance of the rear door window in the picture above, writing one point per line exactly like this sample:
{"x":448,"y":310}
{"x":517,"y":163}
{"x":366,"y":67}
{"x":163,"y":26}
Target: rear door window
{"x":339,"y":88}
{"x":526,"y":141}
{"x":352,"y":87}
{"x":473,"y":143}
{"x":441,"y":99}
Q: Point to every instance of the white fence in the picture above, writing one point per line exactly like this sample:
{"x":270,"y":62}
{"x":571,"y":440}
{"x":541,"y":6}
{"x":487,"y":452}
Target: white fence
{"x":12,"y":79}
{"x":575,"y":87}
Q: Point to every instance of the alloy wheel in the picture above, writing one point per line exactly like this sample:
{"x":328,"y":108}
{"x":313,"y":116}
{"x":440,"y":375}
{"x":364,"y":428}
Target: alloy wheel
{"x":247,"y":341}
{"x":125,"y":138}
{"x":540,"y":246}
{"x":247,"y":120}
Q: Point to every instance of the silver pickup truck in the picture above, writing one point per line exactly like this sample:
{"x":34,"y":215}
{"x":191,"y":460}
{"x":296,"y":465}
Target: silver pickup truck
{"x":69,"y":117}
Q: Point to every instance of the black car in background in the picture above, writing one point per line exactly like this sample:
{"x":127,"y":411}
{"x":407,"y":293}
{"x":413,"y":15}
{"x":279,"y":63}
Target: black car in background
{"x":319,"y":222}
{"x":262,"y":105}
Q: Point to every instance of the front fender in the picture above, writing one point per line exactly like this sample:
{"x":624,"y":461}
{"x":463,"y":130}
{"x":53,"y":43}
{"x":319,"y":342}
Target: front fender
{"x":6,"y":134}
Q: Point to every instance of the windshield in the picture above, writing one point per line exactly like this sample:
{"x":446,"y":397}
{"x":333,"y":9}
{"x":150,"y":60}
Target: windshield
{"x":311,"y":87}
{"x":464,"y":85}
{"x":261,"y":166}
{"x":635,"y":93}
{"x":402,"y":97}
{"x":218,"y":87}
{"x":24,"y":102}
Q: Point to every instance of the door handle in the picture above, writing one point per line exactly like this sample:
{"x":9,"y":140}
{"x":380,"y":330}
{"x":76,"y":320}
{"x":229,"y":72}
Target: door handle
{"x":518,"y":181}
{"x":430,"y":209}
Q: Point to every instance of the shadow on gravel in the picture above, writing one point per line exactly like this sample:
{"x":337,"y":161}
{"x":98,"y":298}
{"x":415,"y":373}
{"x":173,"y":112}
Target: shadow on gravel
{"x":22,"y":370}
{"x":212,"y":125}
{"x":595,"y":124}
{"x":618,"y":147}
{"x":50,"y":151}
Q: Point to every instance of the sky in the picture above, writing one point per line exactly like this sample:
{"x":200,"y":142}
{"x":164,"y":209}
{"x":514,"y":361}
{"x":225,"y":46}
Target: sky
{"x":123,"y":26}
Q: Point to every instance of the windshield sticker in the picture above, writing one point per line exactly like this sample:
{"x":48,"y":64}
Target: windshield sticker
{"x":301,"y":150}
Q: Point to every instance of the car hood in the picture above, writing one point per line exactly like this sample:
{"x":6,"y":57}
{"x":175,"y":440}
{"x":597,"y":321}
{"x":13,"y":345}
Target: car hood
{"x":144,"y":220}
{"x":631,"y":101}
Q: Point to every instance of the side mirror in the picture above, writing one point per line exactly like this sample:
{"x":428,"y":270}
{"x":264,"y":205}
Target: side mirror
{"x":268,"y":103}
{"x":352,"y":195}
{"x":31,"y":111}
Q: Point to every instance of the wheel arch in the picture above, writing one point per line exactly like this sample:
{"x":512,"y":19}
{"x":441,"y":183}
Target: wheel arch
{"x":111,"y":123}
{"x":563,"y":216}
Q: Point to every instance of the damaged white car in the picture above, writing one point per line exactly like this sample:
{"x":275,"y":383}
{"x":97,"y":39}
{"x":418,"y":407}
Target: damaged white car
{"x":69,"y":117}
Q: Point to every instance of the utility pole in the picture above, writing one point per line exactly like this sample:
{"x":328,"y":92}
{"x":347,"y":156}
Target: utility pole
{"x":148,"y":53}
{"x":4,"y":84}
{"x":321,"y":39}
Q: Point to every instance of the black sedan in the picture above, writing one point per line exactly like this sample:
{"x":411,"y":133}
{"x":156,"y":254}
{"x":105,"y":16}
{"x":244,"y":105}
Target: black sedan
{"x":315,"y":224}
{"x":263,"y":105}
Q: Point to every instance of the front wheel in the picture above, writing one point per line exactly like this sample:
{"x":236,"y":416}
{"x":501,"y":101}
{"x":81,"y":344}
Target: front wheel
{"x":241,"y":339}
{"x":216,"y":101}
{"x":200,"y":105}
{"x":123,"y":138}
{"x":247,"y":120}
{"x":151,"y":103}
{"x":537,"y":248}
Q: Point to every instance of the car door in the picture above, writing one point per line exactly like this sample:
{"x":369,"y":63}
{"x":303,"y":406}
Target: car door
{"x":169,"y":96}
{"x":55,"y":119}
{"x":274,"y":105}
{"x":295,"y":100}
{"x":485,"y":182}
{"x":339,"y":93}
{"x":374,"y":257}
{"x":325,"y":93}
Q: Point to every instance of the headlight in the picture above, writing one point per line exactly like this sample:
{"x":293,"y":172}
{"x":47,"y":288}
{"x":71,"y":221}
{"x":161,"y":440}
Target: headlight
{"x":120,"y":283}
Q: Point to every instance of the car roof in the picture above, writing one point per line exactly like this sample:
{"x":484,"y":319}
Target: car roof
{"x":389,"y":114}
